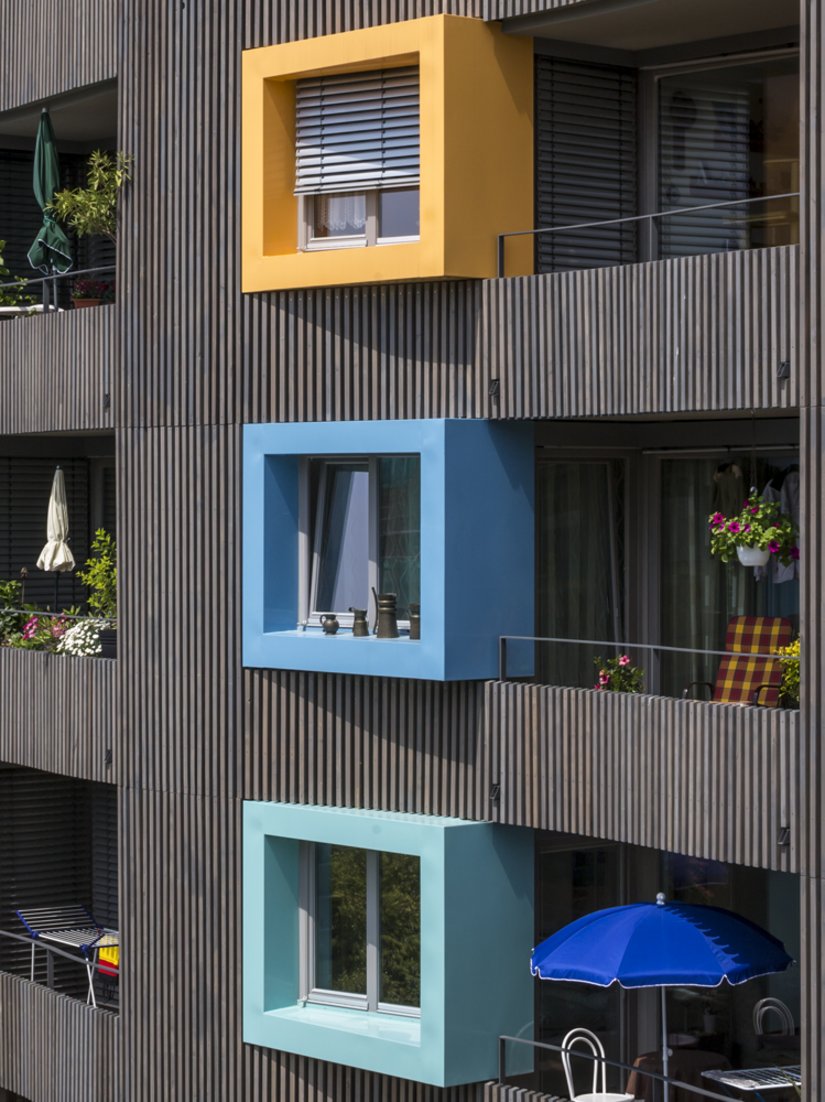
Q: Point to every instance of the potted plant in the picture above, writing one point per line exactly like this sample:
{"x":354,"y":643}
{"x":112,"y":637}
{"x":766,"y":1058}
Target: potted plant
{"x":90,"y":292}
{"x":789,"y":687}
{"x":93,"y":209}
{"x":758,"y":531}
{"x":618,"y":675}
{"x":99,"y":575}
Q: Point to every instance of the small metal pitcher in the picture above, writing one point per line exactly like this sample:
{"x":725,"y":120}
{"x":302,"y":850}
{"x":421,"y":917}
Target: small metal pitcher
{"x":329,"y":622}
{"x":386,"y":620}
{"x":415,"y":621}
{"x":360,"y":629}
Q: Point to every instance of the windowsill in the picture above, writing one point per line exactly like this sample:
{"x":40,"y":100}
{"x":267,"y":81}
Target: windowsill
{"x":378,"y":1026}
{"x":341,"y":634}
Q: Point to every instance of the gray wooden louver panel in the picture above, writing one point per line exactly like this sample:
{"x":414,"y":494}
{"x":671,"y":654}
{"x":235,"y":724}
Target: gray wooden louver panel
{"x":20,"y":216}
{"x":25,"y":485}
{"x":104,"y":858}
{"x":586,"y":163}
{"x":357,"y":131}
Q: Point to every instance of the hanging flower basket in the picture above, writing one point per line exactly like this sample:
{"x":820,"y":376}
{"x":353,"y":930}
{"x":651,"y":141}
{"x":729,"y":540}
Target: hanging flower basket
{"x":756,"y":534}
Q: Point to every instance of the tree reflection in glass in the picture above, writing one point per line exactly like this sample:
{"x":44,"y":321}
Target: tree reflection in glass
{"x":341,"y":919}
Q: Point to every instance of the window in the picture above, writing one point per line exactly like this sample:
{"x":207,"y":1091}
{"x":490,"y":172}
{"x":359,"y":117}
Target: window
{"x":357,"y":159}
{"x":729,"y":132}
{"x":361,"y":929}
{"x":361,"y":531}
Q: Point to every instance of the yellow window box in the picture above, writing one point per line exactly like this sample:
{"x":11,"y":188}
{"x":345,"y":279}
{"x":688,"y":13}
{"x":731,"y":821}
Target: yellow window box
{"x":476,"y":95}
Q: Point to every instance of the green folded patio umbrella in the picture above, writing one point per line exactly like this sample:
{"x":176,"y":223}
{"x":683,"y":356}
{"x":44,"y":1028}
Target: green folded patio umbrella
{"x":50,"y":250}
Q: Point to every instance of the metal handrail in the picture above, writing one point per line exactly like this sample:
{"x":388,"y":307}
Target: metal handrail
{"x":502,"y":237}
{"x":71,"y":274}
{"x":61,"y":615}
{"x":617,"y":645}
{"x":677,"y":1083}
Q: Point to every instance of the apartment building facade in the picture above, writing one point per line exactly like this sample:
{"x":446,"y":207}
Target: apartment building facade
{"x":340,"y":363}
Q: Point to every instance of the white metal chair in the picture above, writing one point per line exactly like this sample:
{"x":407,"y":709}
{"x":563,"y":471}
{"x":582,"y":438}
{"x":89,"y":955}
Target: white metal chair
{"x":589,"y":1040}
{"x":787,"y":1026}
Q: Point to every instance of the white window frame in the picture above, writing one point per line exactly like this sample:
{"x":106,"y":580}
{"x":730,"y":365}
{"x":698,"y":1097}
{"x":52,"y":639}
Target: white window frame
{"x":308,"y":992}
{"x":310,"y":536}
{"x":308,"y":242}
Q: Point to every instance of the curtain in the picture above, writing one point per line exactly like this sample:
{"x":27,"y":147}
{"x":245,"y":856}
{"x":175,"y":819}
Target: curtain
{"x":579,"y":565}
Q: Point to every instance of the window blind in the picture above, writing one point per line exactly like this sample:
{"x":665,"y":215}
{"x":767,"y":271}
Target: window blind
{"x":585,"y":162}
{"x":357,"y":131}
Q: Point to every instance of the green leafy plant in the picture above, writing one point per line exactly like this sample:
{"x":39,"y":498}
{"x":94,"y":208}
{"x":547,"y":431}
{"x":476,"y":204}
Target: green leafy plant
{"x":759,"y":524}
{"x":11,"y":296}
{"x":618,"y":675}
{"x":11,"y":594}
{"x":93,"y":209}
{"x":789,"y":687}
{"x":99,"y":575}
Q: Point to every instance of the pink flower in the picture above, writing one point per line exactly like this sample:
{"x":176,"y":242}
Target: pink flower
{"x":599,"y":688}
{"x":754,"y":509}
{"x":773,"y":546}
{"x":734,"y":526}
{"x":624,"y":660}
{"x":794,"y":552}
{"x":604,"y":677}
{"x":717,"y":519}
{"x":30,"y":627}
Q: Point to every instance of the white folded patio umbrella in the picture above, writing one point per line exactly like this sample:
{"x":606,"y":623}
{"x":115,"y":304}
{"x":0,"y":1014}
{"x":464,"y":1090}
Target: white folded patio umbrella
{"x":56,"y":556}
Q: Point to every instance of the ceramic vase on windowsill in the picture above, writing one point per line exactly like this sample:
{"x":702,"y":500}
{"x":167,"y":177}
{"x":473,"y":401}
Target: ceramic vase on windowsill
{"x":752,"y":556}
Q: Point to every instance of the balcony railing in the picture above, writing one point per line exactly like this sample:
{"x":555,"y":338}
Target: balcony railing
{"x":526,"y":658}
{"x":527,"y":1052}
{"x":648,"y":222}
{"x":52,"y":290}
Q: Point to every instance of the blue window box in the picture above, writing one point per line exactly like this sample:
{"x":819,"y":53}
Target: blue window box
{"x":477,"y":546}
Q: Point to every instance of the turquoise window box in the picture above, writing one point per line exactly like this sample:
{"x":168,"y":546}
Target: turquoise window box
{"x":477,"y":546}
{"x":476,"y":934}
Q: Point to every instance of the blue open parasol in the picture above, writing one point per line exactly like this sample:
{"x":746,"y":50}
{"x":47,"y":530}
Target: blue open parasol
{"x":660,"y":945}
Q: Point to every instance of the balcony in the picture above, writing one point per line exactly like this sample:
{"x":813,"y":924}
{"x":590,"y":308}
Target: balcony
{"x":650,"y":771}
{"x":58,"y":847}
{"x":58,"y":362}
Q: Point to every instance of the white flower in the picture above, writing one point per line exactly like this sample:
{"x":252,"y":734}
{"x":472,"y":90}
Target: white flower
{"x":82,"y":639}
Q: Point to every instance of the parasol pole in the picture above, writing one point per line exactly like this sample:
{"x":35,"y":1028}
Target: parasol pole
{"x":665,"y":1054}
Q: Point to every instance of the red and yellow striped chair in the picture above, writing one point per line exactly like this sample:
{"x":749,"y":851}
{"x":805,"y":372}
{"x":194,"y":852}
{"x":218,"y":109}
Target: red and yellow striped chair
{"x":744,"y":680}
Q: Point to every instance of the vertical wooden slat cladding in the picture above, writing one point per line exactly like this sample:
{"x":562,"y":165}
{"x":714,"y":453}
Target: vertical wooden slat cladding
{"x":85,"y":50}
{"x":709,"y":780}
{"x":59,"y":714}
{"x":365,"y":353}
{"x":57,"y":370}
{"x":54,"y":1048}
{"x":495,"y":1093}
{"x":365,"y":742}
{"x":676,"y":336}
{"x":179,"y":639}
{"x":297,"y":1079}
{"x":812,"y":586}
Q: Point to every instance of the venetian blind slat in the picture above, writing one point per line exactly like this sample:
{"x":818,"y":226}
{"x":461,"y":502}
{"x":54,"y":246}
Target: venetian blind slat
{"x":357,"y":131}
